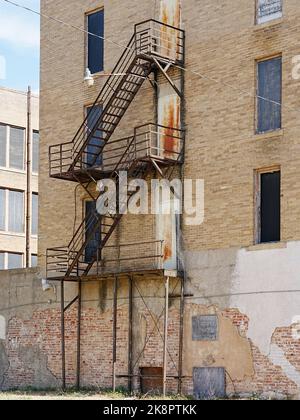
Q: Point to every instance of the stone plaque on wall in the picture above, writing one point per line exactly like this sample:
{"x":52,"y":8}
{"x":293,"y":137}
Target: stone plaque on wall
{"x":205,"y":328}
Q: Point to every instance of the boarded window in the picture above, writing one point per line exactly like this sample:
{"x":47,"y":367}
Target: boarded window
{"x":268,"y":10}
{"x":3,"y":145}
{"x":16,"y":148}
{"x":94,"y":156}
{"x":270,"y":207}
{"x":34,"y":214}
{"x":16,"y":212}
{"x":269,"y":95}
{"x":2,"y":209}
{"x":205,"y":328}
{"x":152,"y":380}
{"x":209,"y":383}
{"x":35,"y":151}
{"x":2,"y":260}
{"x":14,"y":261}
{"x":96,"y":43}
{"x":94,"y":243}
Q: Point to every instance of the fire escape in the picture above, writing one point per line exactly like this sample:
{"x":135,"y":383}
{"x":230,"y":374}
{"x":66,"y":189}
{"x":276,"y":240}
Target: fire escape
{"x":93,"y":155}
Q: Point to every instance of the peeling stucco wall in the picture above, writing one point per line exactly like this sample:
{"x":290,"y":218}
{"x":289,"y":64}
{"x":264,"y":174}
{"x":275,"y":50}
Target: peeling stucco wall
{"x":262,"y":283}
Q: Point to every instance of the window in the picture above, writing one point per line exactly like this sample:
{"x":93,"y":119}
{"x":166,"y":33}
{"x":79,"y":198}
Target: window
{"x":268,"y":207}
{"x":93,"y":244}
{"x":16,"y":148}
{"x":34,"y":214}
{"x":268,"y":10}
{"x":35,"y":151}
{"x":11,"y":211}
{"x":95,"y":24}
{"x":269,"y":92}
{"x":14,"y":261}
{"x":2,"y":209}
{"x":34,"y":260}
{"x":10,"y":261}
{"x":2,"y":260}
{"x":16,"y":211}
{"x":3,"y":132}
{"x":94,"y":158}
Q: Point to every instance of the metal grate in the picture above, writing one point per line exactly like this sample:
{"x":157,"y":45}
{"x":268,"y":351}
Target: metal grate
{"x":268,"y":8}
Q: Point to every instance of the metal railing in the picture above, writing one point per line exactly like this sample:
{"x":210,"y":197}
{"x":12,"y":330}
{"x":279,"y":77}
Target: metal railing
{"x":151,"y":39}
{"x":113,"y":259}
{"x":149,"y":141}
{"x":154,"y":38}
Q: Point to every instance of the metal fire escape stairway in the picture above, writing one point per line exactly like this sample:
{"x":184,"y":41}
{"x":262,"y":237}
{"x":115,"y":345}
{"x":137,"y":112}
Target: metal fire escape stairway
{"x":154,"y":47}
{"x":77,"y":266}
{"x":149,"y":50}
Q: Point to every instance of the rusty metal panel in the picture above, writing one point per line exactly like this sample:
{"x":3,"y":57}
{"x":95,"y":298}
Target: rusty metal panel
{"x":152,"y":380}
{"x":167,"y":222}
{"x":169,"y":109}
{"x":209,"y":383}
{"x":170,"y":14}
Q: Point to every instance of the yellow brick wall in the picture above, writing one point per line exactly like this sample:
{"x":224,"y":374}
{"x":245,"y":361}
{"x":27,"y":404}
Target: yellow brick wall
{"x":222,"y":42}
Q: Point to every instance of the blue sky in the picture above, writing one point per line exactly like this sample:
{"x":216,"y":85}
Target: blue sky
{"x":19,"y":45}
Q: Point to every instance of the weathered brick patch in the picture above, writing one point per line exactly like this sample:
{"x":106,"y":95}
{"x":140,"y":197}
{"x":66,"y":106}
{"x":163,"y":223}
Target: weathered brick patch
{"x":31,"y":354}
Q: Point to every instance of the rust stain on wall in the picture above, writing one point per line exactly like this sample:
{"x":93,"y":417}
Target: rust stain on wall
{"x":170,"y":14}
{"x":171,"y":120}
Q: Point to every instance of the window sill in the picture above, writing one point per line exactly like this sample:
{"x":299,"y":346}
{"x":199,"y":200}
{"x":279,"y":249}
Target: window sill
{"x":267,"y":246}
{"x":269,"y":24}
{"x":18,"y":235}
{"x":269,"y":134}
{"x":15,"y":171}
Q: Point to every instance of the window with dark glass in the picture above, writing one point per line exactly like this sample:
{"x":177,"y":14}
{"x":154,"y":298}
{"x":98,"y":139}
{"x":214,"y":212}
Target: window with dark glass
{"x":95,"y":24}
{"x":270,"y":207}
{"x":92,"y":218}
{"x":94,"y":148}
{"x":35,"y":151}
{"x":16,"y":148}
{"x":269,"y":92}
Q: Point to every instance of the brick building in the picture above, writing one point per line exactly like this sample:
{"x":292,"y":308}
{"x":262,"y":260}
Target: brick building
{"x":230,"y":283}
{"x":16,"y":238}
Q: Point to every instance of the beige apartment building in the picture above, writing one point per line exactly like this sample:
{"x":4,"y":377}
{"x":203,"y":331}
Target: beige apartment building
{"x":17,"y":193}
{"x":185,"y":90}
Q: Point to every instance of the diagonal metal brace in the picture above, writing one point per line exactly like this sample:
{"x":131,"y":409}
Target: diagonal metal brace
{"x":164,"y":72}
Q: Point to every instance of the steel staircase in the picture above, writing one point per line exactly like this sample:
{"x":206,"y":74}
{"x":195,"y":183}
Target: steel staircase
{"x":74,"y":161}
{"x":149,"y":46}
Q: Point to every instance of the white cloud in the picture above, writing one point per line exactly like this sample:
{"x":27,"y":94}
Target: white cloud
{"x":19,"y":31}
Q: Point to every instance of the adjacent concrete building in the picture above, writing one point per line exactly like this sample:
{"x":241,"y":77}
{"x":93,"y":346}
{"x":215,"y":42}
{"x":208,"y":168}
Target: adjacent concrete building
{"x":203,"y":91}
{"x":18,"y":194}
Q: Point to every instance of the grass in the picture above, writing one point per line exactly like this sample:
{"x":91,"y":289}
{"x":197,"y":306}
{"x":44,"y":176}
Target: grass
{"x":32,"y":394}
